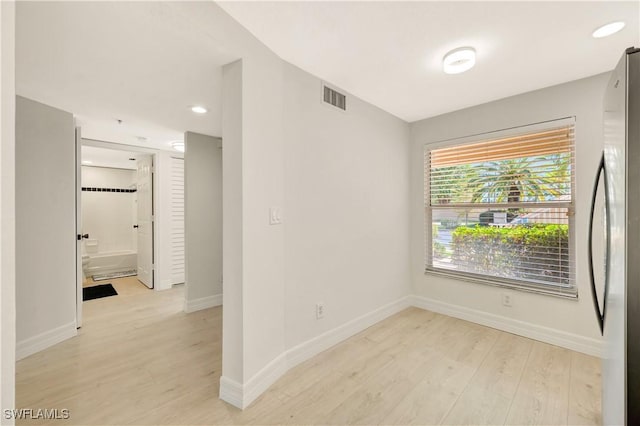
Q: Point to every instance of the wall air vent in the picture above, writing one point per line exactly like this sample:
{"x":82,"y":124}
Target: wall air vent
{"x":334,"y":98}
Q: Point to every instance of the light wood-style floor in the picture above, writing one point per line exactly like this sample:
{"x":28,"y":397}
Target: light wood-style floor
{"x":140,"y":360}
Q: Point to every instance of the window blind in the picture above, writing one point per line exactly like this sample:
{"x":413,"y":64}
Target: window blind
{"x":500,"y":209}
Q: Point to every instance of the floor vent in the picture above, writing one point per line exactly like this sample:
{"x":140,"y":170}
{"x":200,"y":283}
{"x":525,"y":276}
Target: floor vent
{"x":334,"y":98}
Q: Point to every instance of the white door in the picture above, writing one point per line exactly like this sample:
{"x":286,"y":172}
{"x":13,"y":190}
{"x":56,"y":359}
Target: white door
{"x":177,"y":220}
{"x":79,"y":277}
{"x":145,"y":219}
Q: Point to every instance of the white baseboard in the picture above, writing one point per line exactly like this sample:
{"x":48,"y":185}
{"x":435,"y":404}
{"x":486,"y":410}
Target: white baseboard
{"x":571,"y":341}
{"x":312,"y":347}
{"x":264,"y":378}
{"x":202,"y":303}
{"x":242,"y":396}
{"x":44,"y":340}
{"x":231,"y":392}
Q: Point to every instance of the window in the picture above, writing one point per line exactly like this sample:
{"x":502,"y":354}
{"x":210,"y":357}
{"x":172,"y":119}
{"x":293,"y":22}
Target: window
{"x":499,"y":208}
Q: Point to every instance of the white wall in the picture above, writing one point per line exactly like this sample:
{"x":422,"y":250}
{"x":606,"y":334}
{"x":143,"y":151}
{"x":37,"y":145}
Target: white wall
{"x":232,"y":241}
{"x":7,"y":209}
{"x":45,"y":221}
{"x":569,"y":322}
{"x":266,"y":310}
{"x":341,"y":182}
{"x":108,"y":217}
{"x":107,"y":177}
{"x":203,"y":221}
{"x":346,"y":209}
{"x":253,"y":180}
{"x":262,"y":188}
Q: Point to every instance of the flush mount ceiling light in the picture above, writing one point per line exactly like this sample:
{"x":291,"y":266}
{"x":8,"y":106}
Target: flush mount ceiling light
{"x":199,"y":109}
{"x":607,"y":30}
{"x":459,"y":60}
{"x":87,"y":162}
{"x":178,"y":145}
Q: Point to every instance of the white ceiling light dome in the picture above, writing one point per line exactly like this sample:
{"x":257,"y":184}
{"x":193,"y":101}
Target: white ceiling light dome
{"x":459,"y":60}
{"x":178,"y":145}
{"x":198,"y":109}
{"x":608,"y":29}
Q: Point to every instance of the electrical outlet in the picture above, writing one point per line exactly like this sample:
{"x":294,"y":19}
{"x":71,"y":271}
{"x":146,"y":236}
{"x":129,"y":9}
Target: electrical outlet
{"x":319,"y":310}
{"x":507,"y":299}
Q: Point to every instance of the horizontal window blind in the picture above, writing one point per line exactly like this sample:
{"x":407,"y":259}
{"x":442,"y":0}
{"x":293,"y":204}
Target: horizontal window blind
{"x":531,"y":168}
{"x":500,"y":209}
{"x":528,"y":145}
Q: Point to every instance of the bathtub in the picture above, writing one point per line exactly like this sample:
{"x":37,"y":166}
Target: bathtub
{"x":115,"y":261}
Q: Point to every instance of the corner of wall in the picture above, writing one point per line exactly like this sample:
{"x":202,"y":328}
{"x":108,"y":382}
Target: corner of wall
{"x":231,"y":392}
{"x":232,"y":318}
{"x":242,"y":396}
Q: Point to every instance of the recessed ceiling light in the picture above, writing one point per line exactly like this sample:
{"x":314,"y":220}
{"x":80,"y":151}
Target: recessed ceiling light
{"x":607,"y":30}
{"x":199,"y":109}
{"x":178,"y":145}
{"x":459,"y":60}
{"x":87,"y":162}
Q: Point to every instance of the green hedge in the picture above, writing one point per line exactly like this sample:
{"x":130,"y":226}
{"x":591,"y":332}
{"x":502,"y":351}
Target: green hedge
{"x":530,"y":252}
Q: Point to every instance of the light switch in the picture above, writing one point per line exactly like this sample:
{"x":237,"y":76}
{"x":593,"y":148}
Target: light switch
{"x":275,"y":216}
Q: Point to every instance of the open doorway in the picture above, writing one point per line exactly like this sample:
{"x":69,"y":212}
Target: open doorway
{"x":118,"y":229}
{"x":116,"y":201}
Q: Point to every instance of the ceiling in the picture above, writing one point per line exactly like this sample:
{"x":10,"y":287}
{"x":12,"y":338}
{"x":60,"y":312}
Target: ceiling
{"x":138,"y":62}
{"x":105,"y":157}
{"x":390,"y":53}
{"x":146,"y":63}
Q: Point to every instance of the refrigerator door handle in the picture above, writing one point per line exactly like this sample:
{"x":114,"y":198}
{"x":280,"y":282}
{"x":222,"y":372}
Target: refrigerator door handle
{"x":594,"y":294}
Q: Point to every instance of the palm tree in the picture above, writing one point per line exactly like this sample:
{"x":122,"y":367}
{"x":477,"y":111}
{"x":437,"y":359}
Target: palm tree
{"x":449,"y":183}
{"x":520,"y":179}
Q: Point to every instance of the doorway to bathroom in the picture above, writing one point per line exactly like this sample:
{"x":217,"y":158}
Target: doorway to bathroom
{"x":118,"y":190}
{"x":113,"y":201}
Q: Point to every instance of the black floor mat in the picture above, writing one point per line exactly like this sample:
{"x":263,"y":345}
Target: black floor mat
{"x":98,"y":291}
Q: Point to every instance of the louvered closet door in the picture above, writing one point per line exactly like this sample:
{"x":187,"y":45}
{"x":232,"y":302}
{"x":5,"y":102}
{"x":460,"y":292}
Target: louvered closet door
{"x":177,"y":220}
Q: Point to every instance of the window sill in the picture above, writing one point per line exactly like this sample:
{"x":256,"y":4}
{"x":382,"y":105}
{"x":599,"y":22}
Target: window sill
{"x":571,"y":294}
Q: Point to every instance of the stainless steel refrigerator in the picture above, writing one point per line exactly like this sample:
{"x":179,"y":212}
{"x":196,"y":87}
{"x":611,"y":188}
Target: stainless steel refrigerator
{"x":614,"y":244}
